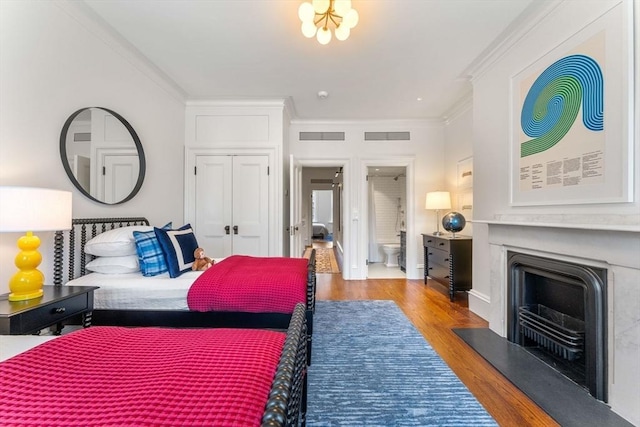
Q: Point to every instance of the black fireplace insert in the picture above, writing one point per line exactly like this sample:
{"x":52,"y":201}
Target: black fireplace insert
{"x":556,"y":310}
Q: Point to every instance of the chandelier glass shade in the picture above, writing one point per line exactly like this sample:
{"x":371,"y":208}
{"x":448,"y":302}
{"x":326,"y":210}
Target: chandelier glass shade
{"x":319,"y":17}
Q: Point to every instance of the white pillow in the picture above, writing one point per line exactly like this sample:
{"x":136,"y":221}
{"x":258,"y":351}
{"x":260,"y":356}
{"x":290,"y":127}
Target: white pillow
{"x":115,"y":264}
{"x":116,"y":242}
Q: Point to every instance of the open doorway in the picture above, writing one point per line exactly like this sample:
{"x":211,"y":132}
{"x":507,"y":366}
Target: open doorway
{"x":386,"y":221}
{"x":322,"y":216}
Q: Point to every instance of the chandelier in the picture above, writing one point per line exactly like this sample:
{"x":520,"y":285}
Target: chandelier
{"x":319,"y":16}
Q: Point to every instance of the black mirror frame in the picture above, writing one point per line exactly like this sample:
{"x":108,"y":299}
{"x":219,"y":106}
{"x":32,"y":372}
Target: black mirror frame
{"x":67,"y":167}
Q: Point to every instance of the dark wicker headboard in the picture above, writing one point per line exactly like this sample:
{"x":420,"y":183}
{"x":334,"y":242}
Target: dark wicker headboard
{"x":88,"y":229}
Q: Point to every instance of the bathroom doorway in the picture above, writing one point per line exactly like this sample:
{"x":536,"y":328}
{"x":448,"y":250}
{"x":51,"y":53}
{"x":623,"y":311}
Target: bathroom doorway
{"x":386,"y":221}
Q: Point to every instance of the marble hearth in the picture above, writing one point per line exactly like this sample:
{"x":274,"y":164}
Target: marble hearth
{"x":615,"y":249}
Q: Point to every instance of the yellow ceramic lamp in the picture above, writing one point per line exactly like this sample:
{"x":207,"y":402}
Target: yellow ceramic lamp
{"x":35,"y":209}
{"x":27,"y":283}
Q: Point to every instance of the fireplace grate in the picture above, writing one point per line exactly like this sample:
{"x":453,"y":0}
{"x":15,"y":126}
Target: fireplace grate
{"x":557,"y":332}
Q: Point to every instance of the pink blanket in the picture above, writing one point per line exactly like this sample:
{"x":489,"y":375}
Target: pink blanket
{"x":251,"y":284}
{"x":118,"y":376}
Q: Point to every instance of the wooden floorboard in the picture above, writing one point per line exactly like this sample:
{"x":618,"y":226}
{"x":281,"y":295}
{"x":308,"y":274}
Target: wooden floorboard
{"x":429,"y":309}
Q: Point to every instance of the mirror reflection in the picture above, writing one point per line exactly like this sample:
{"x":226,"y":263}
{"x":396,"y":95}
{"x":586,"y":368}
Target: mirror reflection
{"x":102,"y":155}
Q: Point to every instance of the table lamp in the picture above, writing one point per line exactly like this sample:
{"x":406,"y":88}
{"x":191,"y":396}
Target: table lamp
{"x":27,"y":209}
{"x":437,"y":200}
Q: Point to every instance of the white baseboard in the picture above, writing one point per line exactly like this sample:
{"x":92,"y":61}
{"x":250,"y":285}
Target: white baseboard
{"x":480,"y":304}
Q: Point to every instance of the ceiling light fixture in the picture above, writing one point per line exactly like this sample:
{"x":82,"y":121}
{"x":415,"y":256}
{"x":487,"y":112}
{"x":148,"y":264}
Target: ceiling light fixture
{"x":319,"y":16}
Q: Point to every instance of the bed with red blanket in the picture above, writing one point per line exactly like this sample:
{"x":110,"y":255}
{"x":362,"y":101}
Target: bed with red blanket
{"x":237,"y":292}
{"x":252,"y":284}
{"x":120,"y":376}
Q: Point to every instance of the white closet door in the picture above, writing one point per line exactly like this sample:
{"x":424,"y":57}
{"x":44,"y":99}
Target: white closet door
{"x":232,"y":205}
{"x":251,"y":205}
{"x":214,"y":189}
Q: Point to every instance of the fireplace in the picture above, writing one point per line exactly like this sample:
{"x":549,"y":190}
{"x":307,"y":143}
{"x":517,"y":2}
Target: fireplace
{"x":556,"y":310}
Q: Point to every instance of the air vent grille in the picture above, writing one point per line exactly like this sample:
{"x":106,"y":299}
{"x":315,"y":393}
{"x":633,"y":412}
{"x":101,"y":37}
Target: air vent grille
{"x":82,"y":136}
{"x":387,"y":136}
{"x":321,"y":181}
{"x":321,"y":136}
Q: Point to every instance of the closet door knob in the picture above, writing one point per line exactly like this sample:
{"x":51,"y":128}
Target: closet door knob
{"x":235,"y":229}
{"x":227,"y":229}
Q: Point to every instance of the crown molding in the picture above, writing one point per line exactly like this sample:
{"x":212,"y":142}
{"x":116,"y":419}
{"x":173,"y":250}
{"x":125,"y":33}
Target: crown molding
{"x":92,"y":22}
{"x":463,"y":105}
{"x":428,"y":122}
{"x":522,"y":25}
{"x":238,"y":102}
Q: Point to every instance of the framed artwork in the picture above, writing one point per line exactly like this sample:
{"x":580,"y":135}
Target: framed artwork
{"x":465,"y":188}
{"x":571,"y":136}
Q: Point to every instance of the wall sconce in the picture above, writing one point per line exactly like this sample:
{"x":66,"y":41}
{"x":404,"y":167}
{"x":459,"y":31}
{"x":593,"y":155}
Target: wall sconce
{"x":437,"y":200}
{"x":26,"y":209}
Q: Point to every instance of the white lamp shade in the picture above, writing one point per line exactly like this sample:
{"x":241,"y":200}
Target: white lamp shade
{"x":320,"y":6}
{"x":323,"y":35}
{"x":34,"y":209}
{"x":342,"y":32}
{"x":438,"y":200}
{"x":306,"y":12}
{"x":342,"y":6}
{"x":351,"y":18}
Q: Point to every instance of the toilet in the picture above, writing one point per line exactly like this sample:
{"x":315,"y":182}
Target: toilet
{"x":391,"y":251}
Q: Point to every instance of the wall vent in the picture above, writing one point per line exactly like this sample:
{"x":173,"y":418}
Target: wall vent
{"x":387,"y":136}
{"x":81,"y":136}
{"x":321,"y":181}
{"x":321,"y":136}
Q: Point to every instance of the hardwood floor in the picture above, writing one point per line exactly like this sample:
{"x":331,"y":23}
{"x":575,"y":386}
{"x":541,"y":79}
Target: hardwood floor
{"x":430,"y":310}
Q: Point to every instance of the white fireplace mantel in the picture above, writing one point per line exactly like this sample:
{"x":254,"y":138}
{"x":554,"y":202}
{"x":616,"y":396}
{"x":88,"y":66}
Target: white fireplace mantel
{"x":627,"y":228}
{"x":613,"y":246}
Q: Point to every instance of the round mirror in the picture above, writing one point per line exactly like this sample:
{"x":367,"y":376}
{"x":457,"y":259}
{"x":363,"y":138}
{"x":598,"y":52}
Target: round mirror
{"x":102,"y":155}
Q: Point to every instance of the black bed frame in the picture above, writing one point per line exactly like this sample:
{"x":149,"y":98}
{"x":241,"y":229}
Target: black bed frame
{"x":287,"y":403}
{"x":91,"y":227}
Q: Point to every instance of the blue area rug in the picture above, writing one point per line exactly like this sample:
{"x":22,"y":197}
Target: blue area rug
{"x":371,"y":367}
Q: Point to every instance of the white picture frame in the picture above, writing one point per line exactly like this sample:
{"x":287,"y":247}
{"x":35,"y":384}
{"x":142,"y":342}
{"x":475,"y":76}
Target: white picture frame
{"x":587,"y":160}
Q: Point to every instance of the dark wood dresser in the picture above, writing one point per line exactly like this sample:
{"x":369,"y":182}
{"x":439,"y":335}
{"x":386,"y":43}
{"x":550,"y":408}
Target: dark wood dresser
{"x":447,"y":260}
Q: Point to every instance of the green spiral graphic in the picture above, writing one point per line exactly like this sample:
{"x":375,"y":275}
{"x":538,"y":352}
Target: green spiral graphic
{"x":553,"y":102}
{"x":563,"y":96}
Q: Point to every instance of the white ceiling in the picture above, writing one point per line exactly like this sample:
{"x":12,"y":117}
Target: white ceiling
{"x":401,"y":50}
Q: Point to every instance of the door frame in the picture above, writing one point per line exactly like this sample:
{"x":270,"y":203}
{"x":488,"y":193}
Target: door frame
{"x":411,"y":257}
{"x":348,"y":247}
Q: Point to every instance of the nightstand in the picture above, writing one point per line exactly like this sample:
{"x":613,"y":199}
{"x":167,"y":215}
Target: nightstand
{"x":59,"y":303}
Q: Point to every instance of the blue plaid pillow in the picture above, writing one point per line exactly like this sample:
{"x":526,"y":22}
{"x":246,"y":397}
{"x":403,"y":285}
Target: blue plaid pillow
{"x":150,"y":255}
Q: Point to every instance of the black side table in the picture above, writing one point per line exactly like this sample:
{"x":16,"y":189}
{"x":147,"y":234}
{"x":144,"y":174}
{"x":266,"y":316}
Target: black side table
{"x":59,"y":303}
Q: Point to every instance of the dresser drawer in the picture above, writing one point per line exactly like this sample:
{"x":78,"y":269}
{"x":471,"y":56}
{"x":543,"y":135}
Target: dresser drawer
{"x":438,"y":256}
{"x":439,"y":273}
{"x":435,"y":242}
{"x":52,"y":313}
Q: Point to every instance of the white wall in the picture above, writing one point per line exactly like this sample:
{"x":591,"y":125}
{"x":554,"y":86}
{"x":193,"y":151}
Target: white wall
{"x":389,"y":195}
{"x":54,"y":61}
{"x":423,"y":155}
{"x":491,"y":124}
{"x":458,"y":147}
{"x":598,"y":234}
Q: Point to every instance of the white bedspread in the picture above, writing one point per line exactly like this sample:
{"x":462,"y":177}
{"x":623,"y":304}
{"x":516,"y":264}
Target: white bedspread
{"x":133,"y":291}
